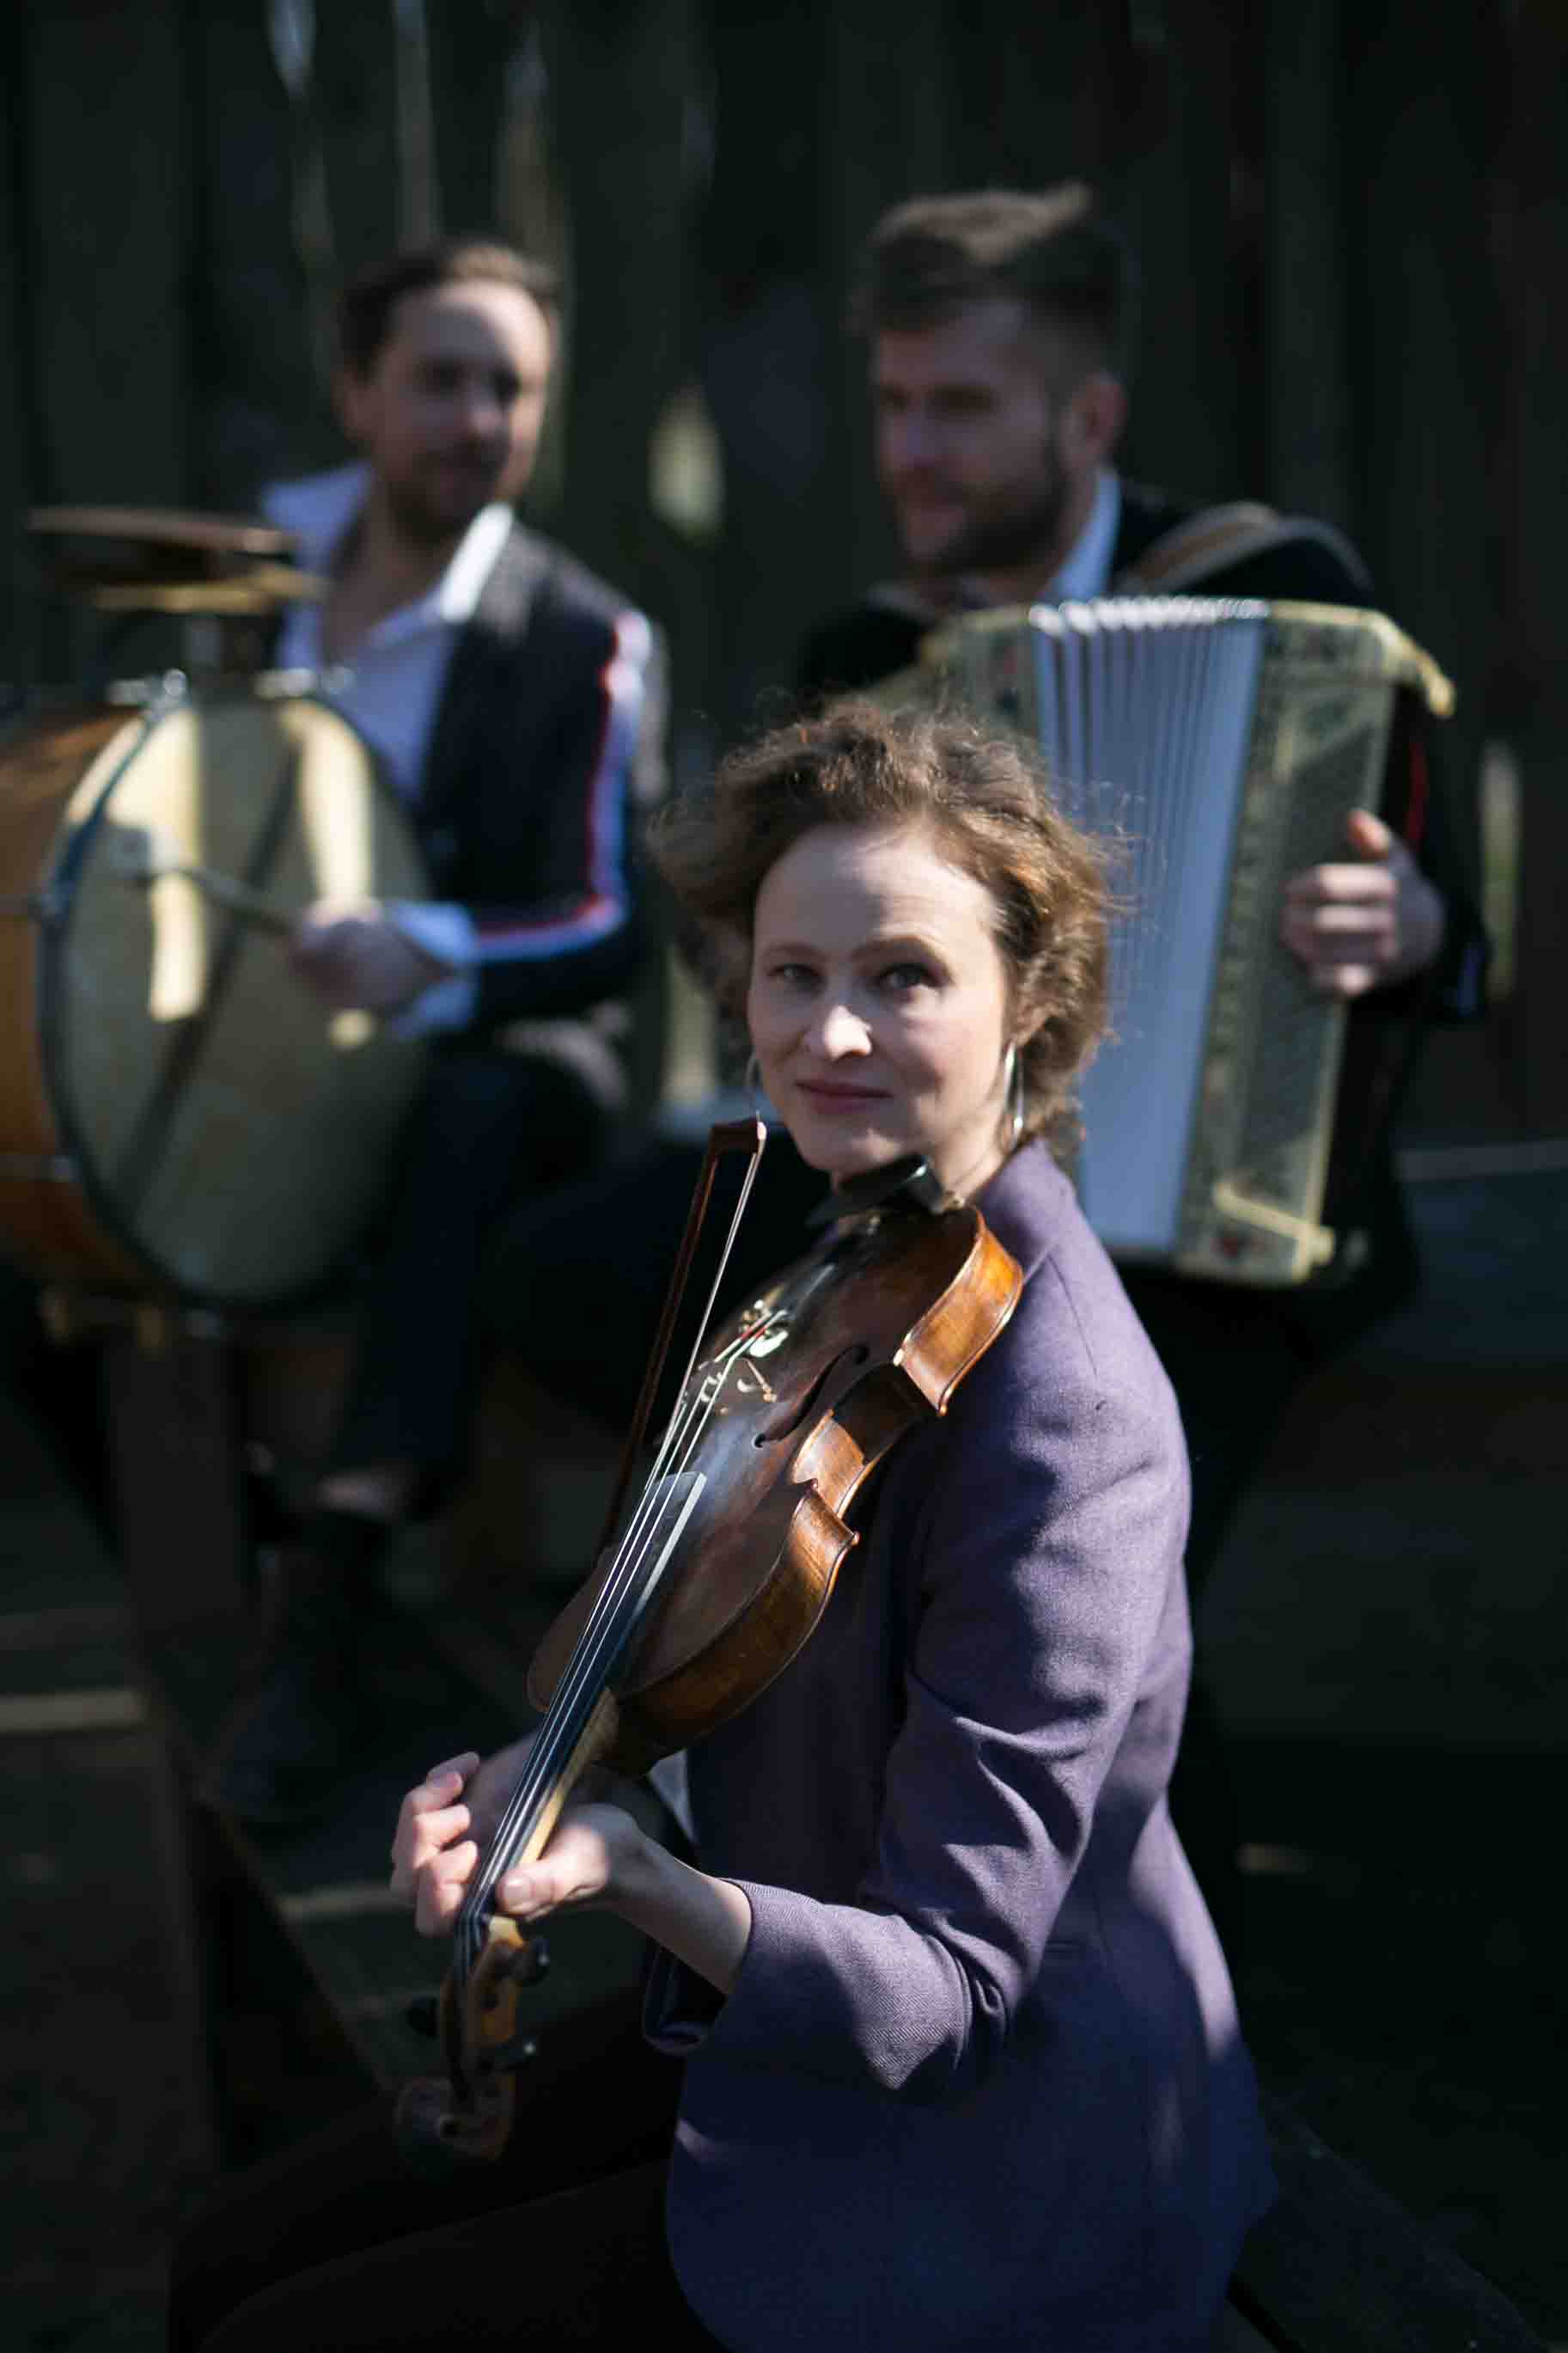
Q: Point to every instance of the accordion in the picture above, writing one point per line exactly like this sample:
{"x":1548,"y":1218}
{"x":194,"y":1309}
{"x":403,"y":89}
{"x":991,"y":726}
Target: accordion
{"x":1218,"y":747}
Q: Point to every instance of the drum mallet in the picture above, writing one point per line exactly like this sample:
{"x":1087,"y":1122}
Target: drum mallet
{"x":141,"y":854}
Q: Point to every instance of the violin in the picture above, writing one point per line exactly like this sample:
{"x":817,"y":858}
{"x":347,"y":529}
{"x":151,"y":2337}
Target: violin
{"x":721,"y":1569}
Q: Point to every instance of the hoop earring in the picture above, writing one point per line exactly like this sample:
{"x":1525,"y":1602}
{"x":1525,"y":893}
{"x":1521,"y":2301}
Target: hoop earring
{"x":1013,"y":1089}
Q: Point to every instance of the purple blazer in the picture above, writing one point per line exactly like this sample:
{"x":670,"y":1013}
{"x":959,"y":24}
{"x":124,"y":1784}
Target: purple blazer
{"x":980,"y":2082}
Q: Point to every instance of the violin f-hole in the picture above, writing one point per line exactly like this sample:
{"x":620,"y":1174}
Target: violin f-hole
{"x":796,"y":1416}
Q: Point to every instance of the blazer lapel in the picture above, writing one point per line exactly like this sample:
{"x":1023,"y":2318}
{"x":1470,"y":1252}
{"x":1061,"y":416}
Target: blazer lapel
{"x":487,"y":647}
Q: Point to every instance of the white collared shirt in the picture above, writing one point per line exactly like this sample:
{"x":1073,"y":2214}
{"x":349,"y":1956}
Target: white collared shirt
{"x":391,"y":689}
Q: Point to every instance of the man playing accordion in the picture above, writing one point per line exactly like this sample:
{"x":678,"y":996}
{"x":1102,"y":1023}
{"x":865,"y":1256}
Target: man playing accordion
{"x":999,"y":331}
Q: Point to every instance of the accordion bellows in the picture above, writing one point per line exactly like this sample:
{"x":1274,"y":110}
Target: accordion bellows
{"x":1219,"y":746}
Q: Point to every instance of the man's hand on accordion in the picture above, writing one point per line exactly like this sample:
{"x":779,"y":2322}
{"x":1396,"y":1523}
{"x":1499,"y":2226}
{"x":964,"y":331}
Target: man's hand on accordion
{"x":1367,"y":925}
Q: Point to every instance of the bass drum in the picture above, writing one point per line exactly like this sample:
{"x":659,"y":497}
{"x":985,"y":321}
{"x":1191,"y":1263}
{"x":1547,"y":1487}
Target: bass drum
{"x":178,"y":1113}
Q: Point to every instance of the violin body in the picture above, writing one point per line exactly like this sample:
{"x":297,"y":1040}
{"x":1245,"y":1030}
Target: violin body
{"x":858,"y":1343}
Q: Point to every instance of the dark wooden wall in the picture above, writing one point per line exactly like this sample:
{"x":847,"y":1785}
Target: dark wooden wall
{"x":1353,"y":220}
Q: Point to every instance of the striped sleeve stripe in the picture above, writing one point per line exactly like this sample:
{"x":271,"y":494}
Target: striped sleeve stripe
{"x":623,"y":682}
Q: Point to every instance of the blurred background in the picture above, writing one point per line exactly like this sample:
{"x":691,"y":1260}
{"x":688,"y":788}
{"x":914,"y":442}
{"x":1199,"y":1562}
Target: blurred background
{"x":1354,"y":229}
{"x":1352,"y":221}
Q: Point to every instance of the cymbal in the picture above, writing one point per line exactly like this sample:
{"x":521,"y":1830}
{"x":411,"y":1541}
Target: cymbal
{"x":162,"y":527}
{"x":166,"y":560}
{"x":263,"y":588}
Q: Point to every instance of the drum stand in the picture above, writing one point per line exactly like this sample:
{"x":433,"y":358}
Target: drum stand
{"x":180,"y":1473}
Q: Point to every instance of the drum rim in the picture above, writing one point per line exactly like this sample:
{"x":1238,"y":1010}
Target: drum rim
{"x":54,"y":929}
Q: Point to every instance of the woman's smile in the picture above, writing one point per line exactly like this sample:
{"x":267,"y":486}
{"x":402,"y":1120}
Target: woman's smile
{"x":835,"y":1094}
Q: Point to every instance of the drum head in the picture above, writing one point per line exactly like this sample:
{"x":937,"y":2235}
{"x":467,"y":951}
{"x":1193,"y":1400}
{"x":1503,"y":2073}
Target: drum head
{"x":229,"y":1129}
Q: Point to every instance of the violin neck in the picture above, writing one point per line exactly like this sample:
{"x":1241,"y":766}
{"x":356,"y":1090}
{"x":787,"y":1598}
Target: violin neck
{"x":583,"y":1719}
{"x":579,"y":1745}
{"x":579,"y":1729}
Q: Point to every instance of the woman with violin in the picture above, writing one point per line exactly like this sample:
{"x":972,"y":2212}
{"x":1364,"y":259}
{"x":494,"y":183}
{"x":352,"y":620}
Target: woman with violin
{"x":958,"y":2063}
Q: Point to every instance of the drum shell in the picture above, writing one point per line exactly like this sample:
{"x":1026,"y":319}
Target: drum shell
{"x":46,"y":1220}
{"x":67,"y":787}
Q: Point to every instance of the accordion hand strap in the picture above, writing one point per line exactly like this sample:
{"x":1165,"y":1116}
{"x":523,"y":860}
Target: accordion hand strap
{"x":1218,"y":537}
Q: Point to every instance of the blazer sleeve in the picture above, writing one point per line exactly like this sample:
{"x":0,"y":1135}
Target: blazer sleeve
{"x":575,"y":934}
{"x":1044,"y":1550}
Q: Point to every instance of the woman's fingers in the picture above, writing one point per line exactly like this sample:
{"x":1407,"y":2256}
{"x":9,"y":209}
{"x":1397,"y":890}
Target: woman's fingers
{"x":577,"y":1867}
{"x":439,"y":1787}
{"x":440,"y":1886}
{"x":424,"y":1843}
{"x":428,"y":1819}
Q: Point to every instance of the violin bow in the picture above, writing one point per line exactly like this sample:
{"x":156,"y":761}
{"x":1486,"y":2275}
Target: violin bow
{"x":727,"y":1137}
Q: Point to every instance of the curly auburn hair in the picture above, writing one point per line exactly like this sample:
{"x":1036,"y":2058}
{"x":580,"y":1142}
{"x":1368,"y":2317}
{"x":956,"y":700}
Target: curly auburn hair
{"x":985,"y":798}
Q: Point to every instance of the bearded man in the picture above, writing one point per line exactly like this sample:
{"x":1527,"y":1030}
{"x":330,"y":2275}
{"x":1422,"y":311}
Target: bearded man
{"x":999,"y":328}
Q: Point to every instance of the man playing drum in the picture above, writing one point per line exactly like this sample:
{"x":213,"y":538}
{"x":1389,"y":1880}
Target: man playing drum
{"x":515,"y":703}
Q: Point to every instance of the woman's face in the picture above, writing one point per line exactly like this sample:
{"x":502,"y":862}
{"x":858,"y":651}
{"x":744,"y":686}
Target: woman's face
{"x":877,"y":1004}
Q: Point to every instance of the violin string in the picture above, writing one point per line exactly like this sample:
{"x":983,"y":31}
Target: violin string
{"x":568,"y":1716}
{"x":641,"y":1532}
{"x":600,"y":1632}
{"x":589,"y":1663}
{"x":595,"y":1646}
{"x":561,"y":1728}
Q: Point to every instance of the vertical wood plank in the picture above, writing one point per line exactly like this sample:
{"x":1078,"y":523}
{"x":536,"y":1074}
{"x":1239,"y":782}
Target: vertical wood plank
{"x":261,"y":409}
{"x":1531,"y":701}
{"x":1196,"y":372}
{"x":618,"y":76}
{"x":108,"y":248}
{"x":354,"y":104}
{"x":888,"y":133}
{"x":1308,"y":398}
{"x":619,"y":101}
{"x":18,"y":617}
{"x":770,"y":343}
{"x":1035,"y":94}
{"x":1421,"y":137}
{"x":471,"y":50}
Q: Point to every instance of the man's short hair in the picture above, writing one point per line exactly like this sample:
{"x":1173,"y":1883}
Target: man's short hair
{"x":365,"y":308}
{"x":1051,"y":249}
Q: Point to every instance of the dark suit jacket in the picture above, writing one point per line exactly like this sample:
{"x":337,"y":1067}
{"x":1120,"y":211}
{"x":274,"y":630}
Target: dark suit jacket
{"x":546,"y":742}
{"x":980,"y":2083}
